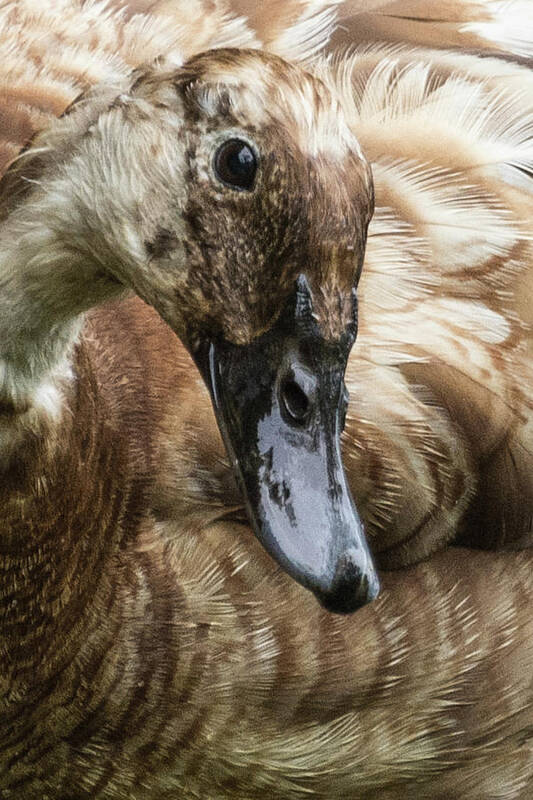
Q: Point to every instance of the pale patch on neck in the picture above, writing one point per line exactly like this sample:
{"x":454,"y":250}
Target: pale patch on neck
{"x":40,"y":407}
{"x":45,"y":289}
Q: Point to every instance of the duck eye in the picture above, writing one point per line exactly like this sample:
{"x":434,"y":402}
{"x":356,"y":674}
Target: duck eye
{"x":236,"y":164}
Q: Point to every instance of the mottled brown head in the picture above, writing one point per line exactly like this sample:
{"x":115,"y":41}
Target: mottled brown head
{"x":306,"y":211}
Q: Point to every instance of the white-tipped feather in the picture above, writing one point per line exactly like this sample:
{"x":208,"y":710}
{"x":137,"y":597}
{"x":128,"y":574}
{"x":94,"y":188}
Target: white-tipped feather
{"x":306,"y":37}
{"x":504,"y":26}
{"x":509,"y":27}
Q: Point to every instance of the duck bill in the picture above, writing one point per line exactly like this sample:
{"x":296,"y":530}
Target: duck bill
{"x":280,"y":403}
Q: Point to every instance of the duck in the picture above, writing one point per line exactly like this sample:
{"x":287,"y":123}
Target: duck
{"x":158,"y":638}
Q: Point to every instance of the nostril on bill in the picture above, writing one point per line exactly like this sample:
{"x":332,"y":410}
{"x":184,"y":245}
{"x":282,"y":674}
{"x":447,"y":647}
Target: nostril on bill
{"x":295,"y":401}
{"x":298,"y":394}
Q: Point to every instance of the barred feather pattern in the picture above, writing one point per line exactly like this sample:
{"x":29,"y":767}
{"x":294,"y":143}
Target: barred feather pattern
{"x":149,"y":647}
{"x":149,"y":658}
{"x":444,"y":349}
{"x":500,"y":26}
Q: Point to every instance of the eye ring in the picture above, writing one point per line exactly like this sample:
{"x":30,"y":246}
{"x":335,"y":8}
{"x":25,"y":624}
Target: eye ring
{"x":235,"y":164}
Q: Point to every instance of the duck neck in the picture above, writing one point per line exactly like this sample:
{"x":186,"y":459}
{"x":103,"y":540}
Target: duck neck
{"x":45,"y":288}
{"x":65,"y":477}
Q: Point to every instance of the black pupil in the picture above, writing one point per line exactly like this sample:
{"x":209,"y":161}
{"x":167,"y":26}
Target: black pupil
{"x":235,"y":164}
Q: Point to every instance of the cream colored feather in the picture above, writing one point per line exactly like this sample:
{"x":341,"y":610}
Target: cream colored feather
{"x":503,"y":26}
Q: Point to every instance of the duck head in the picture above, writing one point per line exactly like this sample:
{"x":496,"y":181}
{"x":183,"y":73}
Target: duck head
{"x":235,"y":201}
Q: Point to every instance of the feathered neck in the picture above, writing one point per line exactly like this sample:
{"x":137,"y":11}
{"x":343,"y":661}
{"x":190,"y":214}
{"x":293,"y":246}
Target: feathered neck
{"x":46,"y":286}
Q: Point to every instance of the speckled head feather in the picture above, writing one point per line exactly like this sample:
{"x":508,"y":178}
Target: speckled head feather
{"x":310,"y":205}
